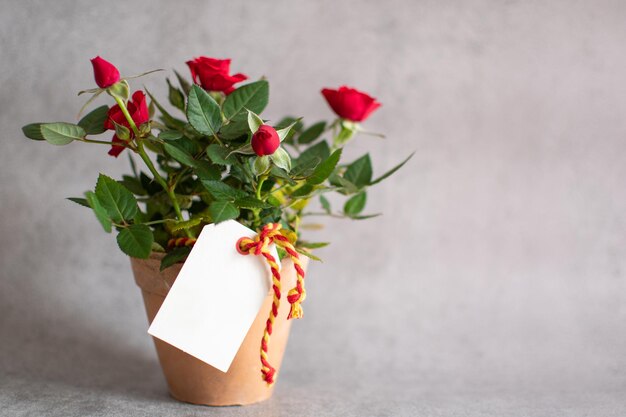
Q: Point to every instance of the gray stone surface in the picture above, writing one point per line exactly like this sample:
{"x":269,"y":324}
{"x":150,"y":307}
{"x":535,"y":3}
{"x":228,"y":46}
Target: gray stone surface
{"x":492,"y":286}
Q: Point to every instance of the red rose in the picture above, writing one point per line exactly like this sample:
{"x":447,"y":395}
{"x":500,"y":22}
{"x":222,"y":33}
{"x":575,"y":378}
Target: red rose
{"x":212,"y":74}
{"x":265,"y":141}
{"x":137,"y":108}
{"x":104,"y":72}
{"x":350,"y":104}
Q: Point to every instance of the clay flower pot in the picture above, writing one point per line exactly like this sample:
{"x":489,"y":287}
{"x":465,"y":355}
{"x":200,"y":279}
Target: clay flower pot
{"x":194,"y":381}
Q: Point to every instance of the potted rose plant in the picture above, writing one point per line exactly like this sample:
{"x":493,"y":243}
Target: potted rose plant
{"x":208,"y":158}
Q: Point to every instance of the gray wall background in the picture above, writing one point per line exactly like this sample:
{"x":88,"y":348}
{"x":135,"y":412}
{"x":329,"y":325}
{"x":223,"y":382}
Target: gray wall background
{"x":494,"y":282}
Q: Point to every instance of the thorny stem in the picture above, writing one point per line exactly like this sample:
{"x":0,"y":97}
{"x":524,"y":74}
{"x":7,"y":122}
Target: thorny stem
{"x":259,"y":185}
{"x":169,"y":190}
{"x":257,"y":219}
{"x":146,"y":159}
{"x":104,"y":142}
{"x":127,"y":115}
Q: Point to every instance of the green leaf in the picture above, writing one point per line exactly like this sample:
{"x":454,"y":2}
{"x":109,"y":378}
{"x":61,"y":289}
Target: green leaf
{"x":101,"y":213}
{"x":170,"y":135}
{"x":80,"y":201}
{"x":169,"y":120}
{"x":175,"y":256}
{"x":253,"y":96}
{"x":93,"y":122}
{"x":355,"y":204}
{"x":61,"y":133}
{"x":308,"y":254}
{"x":312,"y":133}
{"x":219,"y":155}
{"x":391,"y":171}
{"x":282,"y":159}
{"x":151,"y":108}
{"x":222,"y":191}
{"x":133,"y":167}
{"x":187,"y":224}
{"x":251,"y":203}
{"x":312,"y":245}
{"x":223,"y":210}
{"x":242,"y":171}
{"x":284,"y":132}
{"x":319,"y":150}
{"x":192,"y":147}
{"x":184,"y":84}
{"x":303,"y":191}
{"x":184,"y":201}
{"x":203,"y":112}
{"x":348,"y":187}
{"x":254,"y":121}
{"x":205,"y":170}
{"x":176,"y":97}
{"x":273,"y":201}
{"x":133,"y":184}
{"x":119,"y":203}
{"x":179,"y":154}
{"x":306,"y":168}
{"x":286,"y":121}
{"x":243,"y":149}
{"x":136,"y":241}
{"x":359,"y":172}
{"x":282,"y":174}
{"x":234,"y":130}
{"x":325,"y":204}
{"x":365,"y":217}
{"x":149,"y":184}
{"x":261,"y":164}
{"x":323,"y":170}
{"x":33,"y":131}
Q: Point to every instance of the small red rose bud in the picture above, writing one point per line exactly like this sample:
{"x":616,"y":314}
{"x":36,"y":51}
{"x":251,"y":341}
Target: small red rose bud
{"x":265,"y":141}
{"x":104,"y":72}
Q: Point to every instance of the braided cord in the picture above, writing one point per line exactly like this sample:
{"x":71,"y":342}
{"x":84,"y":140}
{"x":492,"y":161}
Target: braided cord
{"x":178,"y":242}
{"x":259,"y":245}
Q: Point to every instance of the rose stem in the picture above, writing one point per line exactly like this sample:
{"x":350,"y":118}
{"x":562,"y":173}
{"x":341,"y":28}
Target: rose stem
{"x":144,"y":156}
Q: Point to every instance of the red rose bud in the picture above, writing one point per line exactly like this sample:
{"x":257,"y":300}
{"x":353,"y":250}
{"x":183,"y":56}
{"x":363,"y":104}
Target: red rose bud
{"x":137,"y":107}
{"x":265,"y":141}
{"x":212,"y":74}
{"x":350,"y":104}
{"x":104,"y":72}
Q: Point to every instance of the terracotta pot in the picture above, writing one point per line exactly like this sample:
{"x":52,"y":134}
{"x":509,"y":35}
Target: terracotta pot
{"x":194,"y":381}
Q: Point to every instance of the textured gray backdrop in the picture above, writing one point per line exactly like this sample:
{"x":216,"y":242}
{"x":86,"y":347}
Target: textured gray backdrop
{"x":494,"y":283}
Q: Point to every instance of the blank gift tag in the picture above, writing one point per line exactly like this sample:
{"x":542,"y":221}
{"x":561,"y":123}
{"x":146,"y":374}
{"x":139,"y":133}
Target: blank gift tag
{"x":215,"y":298}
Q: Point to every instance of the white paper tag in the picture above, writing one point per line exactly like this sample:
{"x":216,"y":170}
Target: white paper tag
{"x":215,"y":298}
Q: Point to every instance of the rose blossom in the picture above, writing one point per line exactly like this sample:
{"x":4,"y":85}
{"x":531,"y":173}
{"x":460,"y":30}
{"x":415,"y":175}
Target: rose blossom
{"x":350,"y":104}
{"x":212,"y":74}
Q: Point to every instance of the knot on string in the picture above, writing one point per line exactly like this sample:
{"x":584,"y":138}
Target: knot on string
{"x":259,"y":245}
